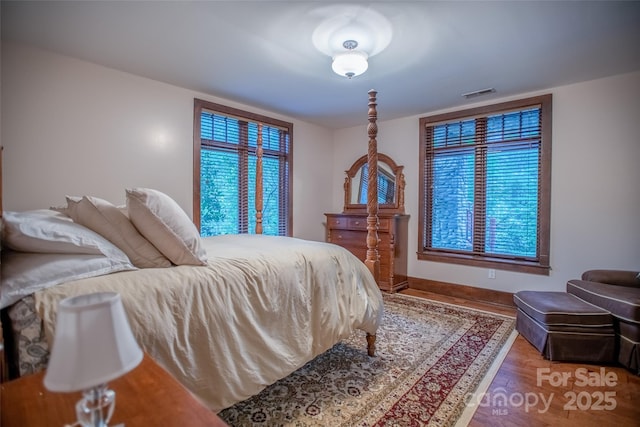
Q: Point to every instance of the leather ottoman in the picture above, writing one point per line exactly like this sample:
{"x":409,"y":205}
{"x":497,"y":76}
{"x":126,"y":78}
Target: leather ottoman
{"x":565,"y":328}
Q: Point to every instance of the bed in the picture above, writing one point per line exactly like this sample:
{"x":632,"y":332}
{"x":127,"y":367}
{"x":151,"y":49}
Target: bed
{"x":225,"y":315}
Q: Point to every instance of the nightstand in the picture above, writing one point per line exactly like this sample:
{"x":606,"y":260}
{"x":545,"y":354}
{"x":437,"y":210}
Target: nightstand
{"x":146,"y":396}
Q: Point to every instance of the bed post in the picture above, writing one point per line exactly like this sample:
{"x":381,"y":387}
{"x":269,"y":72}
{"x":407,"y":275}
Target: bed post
{"x":371,"y":344}
{"x":259,"y":191}
{"x":372,"y":261}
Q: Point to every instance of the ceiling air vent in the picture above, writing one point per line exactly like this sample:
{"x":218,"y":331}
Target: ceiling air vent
{"x":477,"y":93}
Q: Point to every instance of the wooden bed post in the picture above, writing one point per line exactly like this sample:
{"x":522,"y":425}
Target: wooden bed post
{"x":372,"y":261}
{"x":259,"y":191}
{"x":371,"y":344}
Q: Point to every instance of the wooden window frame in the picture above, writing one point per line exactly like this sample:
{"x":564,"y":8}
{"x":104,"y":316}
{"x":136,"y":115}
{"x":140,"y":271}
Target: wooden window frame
{"x":202,"y":105}
{"x":541,"y":263}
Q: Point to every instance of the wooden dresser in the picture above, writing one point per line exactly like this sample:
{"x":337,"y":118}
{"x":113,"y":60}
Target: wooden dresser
{"x":349,"y":230}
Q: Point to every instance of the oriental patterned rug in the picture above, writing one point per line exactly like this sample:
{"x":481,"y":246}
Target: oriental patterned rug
{"x":430,"y":358}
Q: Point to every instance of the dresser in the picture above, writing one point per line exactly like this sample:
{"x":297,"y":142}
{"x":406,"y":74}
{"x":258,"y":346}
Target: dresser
{"x":349,"y":230}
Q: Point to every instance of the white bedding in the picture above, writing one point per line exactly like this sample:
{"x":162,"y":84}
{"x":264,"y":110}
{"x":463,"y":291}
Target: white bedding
{"x":260,"y":309}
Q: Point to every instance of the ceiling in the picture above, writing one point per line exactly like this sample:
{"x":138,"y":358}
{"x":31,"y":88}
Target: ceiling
{"x":270,"y":54}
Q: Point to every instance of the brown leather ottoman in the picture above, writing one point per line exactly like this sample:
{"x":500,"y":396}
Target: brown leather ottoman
{"x":565,"y":328}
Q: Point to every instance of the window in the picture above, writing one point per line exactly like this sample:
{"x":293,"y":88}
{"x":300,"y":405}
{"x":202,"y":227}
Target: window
{"x":225,"y":143}
{"x":485,"y":181}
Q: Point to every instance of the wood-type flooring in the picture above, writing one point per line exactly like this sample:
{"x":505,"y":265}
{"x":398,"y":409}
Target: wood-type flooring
{"x":530,"y":391}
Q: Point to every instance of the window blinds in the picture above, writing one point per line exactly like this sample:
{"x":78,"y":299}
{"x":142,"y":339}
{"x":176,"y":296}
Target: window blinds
{"x":483,"y":193}
{"x":227,"y":175}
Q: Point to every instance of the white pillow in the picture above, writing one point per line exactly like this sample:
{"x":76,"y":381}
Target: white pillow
{"x":25,"y":273}
{"x":110,"y":222}
{"x":163,"y":222}
{"x":47,"y":231}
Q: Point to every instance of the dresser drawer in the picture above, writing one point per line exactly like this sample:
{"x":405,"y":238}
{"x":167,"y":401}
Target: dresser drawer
{"x":348,"y":223}
{"x":349,"y":237}
{"x":361,"y":223}
{"x":337,"y":223}
{"x":357,"y":237}
{"x":384,"y":224}
{"x":357,"y":223}
{"x":361,"y":254}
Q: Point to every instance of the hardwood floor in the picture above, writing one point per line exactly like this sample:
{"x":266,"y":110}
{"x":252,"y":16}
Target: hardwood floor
{"x":588,"y":396}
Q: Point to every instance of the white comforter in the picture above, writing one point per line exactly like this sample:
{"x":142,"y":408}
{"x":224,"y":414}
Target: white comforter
{"x":262,"y":308}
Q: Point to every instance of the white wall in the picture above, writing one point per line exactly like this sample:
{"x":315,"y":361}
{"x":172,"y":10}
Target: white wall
{"x":595,"y":206}
{"x":74,"y":127}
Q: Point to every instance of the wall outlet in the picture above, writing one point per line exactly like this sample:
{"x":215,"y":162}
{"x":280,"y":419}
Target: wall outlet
{"x":492,"y":273}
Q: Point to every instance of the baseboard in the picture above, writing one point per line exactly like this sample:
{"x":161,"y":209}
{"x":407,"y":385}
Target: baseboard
{"x":462,"y":291}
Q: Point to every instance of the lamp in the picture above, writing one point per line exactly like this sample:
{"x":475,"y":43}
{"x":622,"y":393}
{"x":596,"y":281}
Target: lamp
{"x":350,"y":63}
{"x":93,"y":344}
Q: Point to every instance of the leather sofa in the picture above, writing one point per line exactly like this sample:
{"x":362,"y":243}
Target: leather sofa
{"x":618,"y":292}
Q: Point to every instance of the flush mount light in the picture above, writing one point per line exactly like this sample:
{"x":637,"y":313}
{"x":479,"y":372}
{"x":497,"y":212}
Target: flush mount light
{"x":352,"y":62}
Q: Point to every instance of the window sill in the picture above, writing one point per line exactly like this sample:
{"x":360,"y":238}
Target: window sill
{"x":519,"y":266}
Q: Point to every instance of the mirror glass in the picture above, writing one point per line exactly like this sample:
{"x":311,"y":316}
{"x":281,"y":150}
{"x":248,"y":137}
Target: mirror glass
{"x":386,"y":185}
{"x":390,"y":186}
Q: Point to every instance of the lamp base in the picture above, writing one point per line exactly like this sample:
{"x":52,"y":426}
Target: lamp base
{"x":96,"y":406}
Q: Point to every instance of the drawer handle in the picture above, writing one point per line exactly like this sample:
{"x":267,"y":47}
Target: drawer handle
{"x":357,"y":222}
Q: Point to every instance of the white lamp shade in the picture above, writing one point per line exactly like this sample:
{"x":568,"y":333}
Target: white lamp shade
{"x":351,"y":63}
{"x":93,"y":343}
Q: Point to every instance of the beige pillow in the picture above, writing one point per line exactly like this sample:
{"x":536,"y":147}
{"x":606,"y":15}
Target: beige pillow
{"x":163,"y":222}
{"x":108,"y":220}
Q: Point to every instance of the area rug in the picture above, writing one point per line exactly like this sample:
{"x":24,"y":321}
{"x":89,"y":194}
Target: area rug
{"x":430,"y":358}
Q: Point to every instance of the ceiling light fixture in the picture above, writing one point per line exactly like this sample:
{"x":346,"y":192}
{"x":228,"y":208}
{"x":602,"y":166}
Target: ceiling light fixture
{"x":350,"y":63}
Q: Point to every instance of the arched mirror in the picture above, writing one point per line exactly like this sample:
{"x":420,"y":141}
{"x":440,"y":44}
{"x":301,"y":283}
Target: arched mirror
{"x":390,"y":186}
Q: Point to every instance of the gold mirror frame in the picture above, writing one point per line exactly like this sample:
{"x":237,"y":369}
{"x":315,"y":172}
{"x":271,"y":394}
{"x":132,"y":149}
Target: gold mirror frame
{"x":396,"y":207}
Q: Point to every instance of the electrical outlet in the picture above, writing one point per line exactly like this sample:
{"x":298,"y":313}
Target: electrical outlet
{"x":492,"y":273}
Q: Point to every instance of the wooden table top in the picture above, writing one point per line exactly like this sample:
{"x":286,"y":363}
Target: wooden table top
{"x":146,"y":396}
